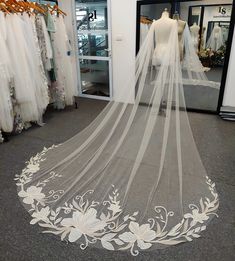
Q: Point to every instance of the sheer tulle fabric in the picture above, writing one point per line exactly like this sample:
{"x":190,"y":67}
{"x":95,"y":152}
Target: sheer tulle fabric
{"x":28,"y":77}
{"x":23,"y":81}
{"x":192,"y":66}
{"x":6,"y":110}
{"x":63,"y":61}
{"x":36,"y":67}
{"x":133,"y":179}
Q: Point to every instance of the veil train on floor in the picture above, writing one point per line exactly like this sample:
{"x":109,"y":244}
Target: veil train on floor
{"x":133,"y":179}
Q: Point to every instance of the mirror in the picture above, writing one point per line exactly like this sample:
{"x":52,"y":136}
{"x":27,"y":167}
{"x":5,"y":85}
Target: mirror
{"x":209,"y":26}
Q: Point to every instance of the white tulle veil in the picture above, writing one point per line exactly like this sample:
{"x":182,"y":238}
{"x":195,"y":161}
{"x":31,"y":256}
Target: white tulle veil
{"x":133,"y":179}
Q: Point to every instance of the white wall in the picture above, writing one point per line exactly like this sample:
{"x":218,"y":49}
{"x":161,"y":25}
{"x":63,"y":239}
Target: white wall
{"x":123,"y":17}
{"x":185,"y":6}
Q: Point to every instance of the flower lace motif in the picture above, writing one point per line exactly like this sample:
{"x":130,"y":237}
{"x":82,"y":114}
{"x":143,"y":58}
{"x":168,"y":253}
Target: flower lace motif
{"x":79,"y":219}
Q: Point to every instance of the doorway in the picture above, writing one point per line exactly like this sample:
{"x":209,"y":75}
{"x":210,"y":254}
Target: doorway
{"x":94,"y":48}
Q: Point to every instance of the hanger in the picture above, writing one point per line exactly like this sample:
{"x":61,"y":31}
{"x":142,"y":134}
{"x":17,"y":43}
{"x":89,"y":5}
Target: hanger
{"x":145,"y":20}
{"x":37,"y":7}
{"x":24,"y":7}
{"x":50,"y":8}
{"x":9,"y":5}
{"x":58,"y":10}
{"x":3,"y":8}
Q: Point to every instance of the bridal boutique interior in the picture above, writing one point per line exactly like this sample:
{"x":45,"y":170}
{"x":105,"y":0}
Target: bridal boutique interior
{"x":209,"y":24}
{"x":97,"y":41}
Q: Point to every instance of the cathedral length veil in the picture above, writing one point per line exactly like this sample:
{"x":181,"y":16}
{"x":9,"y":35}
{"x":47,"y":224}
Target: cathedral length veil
{"x":133,"y":179}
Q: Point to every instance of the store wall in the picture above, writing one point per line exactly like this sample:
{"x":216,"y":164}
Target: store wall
{"x":185,"y":6}
{"x":123,"y":16}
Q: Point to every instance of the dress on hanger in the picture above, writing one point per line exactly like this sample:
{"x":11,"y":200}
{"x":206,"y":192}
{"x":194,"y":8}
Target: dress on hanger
{"x":6,"y":108}
{"x":63,"y":63}
{"x":44,"y":43}
{"x":23,"y":82}
{"x":36,"y":67}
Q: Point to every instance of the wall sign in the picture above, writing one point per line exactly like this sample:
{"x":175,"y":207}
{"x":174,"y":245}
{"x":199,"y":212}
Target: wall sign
{"x":92,"y":16}
{"x":223,"y":11}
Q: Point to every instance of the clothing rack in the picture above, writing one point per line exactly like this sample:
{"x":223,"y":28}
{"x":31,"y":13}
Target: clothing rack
{"x":52,"y":2}
{"x":4,"y":136}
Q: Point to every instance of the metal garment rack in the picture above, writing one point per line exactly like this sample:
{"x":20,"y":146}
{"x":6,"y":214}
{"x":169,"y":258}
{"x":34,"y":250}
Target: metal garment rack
{"x":6,"y":136}
{"x":52,"y":2}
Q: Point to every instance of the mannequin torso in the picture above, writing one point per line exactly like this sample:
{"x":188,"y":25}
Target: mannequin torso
{"x":163,"y":28}
{"x":194,"y":29}
{"x":217,"y":30}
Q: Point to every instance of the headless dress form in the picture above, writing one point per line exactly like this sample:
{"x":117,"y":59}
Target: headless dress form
{"x":181,"y":26}
{"x":163,"y":27}
{"x":216,"y":39}
{"x":202,"y":42}
{"x":194,"y":29}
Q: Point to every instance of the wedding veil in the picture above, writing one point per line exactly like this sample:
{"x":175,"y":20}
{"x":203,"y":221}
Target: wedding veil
{"x":133,"y":179}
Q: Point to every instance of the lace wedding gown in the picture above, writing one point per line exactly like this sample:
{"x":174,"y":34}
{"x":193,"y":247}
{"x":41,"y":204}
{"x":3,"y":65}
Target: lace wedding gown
{"x":30,"y":84}
{"x":133,"y":179}
{"x":63,"y":62}
{"x":6,"y":109}
{"x":216,"y":39}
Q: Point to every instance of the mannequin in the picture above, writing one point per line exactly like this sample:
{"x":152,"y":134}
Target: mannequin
{"x":225,"y":33}
{"x":217,"y":31}
{"x":181,"y":26}
{"x":164,"y":25}
{"x":202,"y":42}
{"x":163,"y":28}
{"x":216,"y":38}
{"x":194,"y":29}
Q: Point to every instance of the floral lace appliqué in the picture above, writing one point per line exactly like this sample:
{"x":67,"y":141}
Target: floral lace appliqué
{"x":79,"y":219}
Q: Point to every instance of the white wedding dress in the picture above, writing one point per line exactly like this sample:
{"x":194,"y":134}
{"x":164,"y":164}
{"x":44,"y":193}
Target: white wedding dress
{"x":20,"y":62}
{"x":29,"y":80}
{"x":37,"y":72}
{"x":63,"y":62}
{"x":133,"y":179}
{"x":6,"y":108}
{"x":194,"y":29}
{"x":215,"y":40}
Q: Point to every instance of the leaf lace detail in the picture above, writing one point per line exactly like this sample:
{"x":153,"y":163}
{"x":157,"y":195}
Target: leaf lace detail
{"x":83,"y":223}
